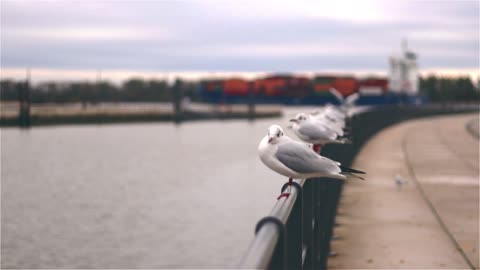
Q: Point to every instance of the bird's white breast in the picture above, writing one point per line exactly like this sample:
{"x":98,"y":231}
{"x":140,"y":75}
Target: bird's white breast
{"x":267,"y":153}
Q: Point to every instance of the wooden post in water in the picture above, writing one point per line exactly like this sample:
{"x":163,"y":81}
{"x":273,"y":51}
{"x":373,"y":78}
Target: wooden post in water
{"x":177,"y":100}
{"x":24,"y":102}
{"x":251,"y":102}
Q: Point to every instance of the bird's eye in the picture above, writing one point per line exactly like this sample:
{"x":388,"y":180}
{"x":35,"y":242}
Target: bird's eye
{"x":278,"y":134}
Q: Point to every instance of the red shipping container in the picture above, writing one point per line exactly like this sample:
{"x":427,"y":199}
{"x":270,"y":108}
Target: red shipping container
{"x":322,"y":84}
{"x":236,"y":87}
{"x":345,"y":85}
{"x":271,"y":86}
{"x":298,"y":86}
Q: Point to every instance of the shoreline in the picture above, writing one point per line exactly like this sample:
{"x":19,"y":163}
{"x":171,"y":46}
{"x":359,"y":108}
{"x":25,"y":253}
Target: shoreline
{"x":138,"y":118}
{"x":107,"y":113}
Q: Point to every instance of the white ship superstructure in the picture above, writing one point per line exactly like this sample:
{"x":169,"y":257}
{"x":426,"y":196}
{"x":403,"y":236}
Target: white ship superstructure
{"x":403,"y":75}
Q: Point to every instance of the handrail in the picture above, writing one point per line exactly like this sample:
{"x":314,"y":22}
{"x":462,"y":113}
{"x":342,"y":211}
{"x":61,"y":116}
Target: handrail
{"x":270,"y":230}
{"x":278,"y":242}
{"x":297,"y":232}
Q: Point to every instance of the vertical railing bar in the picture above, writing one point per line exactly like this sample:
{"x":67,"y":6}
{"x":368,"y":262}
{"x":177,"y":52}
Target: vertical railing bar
{"x":307,"y":223}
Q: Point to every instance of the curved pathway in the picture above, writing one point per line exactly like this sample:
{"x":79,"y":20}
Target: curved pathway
{"x":430,"y":221}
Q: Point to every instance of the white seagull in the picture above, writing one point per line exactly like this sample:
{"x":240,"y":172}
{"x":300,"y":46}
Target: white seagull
{"x":312,"y":131}
{"x":332,"y":111}
{"x":335,"y":124}
{"x":296,"y":160}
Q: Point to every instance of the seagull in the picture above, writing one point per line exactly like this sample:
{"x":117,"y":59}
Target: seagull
{"x":332,"y":123}
{"x":334,"y":112}
{"x":345,"y":102}
{"x":296,"y":160}
{"x":328,"y":115}
{"x":315,"y":132}
{"x":399,"y":181}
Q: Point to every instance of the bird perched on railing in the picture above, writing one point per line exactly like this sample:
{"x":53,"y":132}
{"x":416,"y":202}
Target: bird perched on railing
{"x":316,"y":132}
{"x":345,"y":102}
{"x":338,"y":123}
{"x":331,"y":113}
{"x":296,"y":160}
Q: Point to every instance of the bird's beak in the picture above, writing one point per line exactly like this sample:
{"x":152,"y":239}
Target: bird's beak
{"x":270,"y":139}
{"x":293,"y":120}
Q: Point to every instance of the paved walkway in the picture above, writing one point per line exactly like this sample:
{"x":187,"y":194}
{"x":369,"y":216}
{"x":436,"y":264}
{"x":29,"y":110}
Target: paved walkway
{"x":431,"y":221}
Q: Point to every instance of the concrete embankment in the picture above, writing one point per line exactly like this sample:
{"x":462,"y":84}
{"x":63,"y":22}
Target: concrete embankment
{"x":429,"y":217}
{"x":76,"y":113}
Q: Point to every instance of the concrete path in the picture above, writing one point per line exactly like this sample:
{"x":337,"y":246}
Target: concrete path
{"x":431,"y":221}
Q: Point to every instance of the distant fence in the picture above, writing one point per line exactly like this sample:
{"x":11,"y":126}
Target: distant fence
{"x":297,"y":232}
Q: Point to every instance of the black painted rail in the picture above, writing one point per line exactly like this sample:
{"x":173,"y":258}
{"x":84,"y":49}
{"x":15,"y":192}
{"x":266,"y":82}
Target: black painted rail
{"x":297,"y":232}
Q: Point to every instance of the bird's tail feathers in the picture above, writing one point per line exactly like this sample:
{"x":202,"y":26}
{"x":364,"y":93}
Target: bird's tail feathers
{"x":350,"y":170}
{"x":346,"y":136}
{"x":341,"y":141}
{"x":353,"y":175}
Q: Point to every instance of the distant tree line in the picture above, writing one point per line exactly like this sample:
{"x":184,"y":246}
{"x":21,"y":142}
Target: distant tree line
{"x":436,"y":89}
{"x":134,"y":90}
{"x":443,"y":89}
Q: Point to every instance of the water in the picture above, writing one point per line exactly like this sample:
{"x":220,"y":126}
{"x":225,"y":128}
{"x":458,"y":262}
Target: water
{"x":133,"y":195}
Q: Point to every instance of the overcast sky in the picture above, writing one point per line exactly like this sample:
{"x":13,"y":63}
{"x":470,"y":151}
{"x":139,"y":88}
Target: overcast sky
{"x":159,"y":36}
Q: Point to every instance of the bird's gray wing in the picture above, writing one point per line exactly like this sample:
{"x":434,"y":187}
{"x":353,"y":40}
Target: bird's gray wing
{"x":301,"y":159}
{"x":314,"y":131}
{"x":327,"y":160}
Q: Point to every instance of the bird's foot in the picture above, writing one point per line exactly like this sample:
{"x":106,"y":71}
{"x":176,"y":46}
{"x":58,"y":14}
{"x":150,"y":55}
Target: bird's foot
{"x":317,"y":148}
{"x":283,"y":195}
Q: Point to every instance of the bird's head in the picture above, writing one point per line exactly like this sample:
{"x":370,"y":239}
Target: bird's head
{"x":275,"y":132}
{"x":299,"y":118}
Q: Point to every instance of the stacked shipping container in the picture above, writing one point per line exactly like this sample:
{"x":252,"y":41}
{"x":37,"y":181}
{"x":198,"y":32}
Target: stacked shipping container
{"x":288,"y":86}
{"x":373,"y":86}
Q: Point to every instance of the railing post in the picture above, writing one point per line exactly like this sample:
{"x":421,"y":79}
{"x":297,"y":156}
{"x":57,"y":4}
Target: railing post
{"x":294,"y":235}
{"x":317,"y":230}
{"x":323,"y":223}
{"x":308,"y":223}
{"x":332,"y":187}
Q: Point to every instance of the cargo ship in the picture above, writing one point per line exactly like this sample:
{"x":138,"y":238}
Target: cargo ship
{"x":400,"y":87}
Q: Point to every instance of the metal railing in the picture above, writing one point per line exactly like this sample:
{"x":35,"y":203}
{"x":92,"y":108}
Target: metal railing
{"x":296,"y":234}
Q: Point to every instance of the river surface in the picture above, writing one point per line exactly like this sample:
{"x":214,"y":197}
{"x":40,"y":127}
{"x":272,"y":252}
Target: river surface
{"x":147,"y":195}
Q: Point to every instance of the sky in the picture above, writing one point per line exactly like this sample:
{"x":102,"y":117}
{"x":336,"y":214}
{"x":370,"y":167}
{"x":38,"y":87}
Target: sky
{"x":75,"y":39}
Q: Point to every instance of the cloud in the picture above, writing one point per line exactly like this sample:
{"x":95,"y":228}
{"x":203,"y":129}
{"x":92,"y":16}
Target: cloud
{"x":65,"y":34}
{"x":227,"y":35}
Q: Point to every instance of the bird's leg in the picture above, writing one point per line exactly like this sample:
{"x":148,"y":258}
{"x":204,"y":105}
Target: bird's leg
{"x":290,"y":183}
{"x":286,"y":194}
{"x":317,"y":148}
